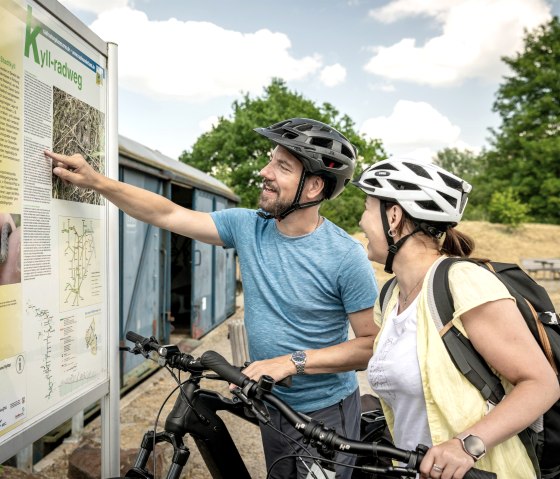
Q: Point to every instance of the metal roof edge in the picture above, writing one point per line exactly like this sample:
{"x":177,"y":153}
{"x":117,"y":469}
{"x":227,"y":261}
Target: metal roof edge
{"x":175,"y":169}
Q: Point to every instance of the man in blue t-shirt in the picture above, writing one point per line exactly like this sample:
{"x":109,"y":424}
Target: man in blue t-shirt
{"x":304,"y":279}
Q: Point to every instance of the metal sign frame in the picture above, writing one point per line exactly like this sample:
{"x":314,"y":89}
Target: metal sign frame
{"x":105,"y":389}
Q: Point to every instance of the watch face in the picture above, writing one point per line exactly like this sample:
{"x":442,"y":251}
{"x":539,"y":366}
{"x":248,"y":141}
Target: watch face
{"x":298,"y":356}
{"x":299,"y":359}
{"x":474,"y":446}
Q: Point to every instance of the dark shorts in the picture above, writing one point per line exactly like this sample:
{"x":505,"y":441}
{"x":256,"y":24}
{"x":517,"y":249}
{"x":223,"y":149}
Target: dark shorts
{"x":343,"y":416}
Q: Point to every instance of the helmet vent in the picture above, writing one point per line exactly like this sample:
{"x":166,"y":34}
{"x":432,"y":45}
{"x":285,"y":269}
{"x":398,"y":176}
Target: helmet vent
{"x":346,"y":151}
{"x":331,"y":162}
{"x":452,"y":201}
{"x":386,"y":166}
{"x":451,"y":182}
{"x":429,"y":205}
{"x":418,"y":170}
{"x":290,"y":135}
{"x":322,"y":142}
{"x":403,"y":185}
{"x":373,"y":182}
{"x":304,"y":127}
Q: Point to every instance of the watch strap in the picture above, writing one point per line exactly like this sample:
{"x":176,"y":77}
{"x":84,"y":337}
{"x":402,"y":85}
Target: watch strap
{"x":299,"y":358}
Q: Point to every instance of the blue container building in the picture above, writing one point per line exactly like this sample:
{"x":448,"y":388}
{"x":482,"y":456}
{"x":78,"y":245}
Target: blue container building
{"x":169,"y":282}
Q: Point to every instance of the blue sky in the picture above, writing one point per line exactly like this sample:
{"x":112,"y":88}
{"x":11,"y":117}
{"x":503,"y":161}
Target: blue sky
{"x":420,"y":75}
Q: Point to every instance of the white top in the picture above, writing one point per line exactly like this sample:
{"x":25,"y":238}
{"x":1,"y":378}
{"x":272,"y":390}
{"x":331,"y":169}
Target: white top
{"x":394,"y":374}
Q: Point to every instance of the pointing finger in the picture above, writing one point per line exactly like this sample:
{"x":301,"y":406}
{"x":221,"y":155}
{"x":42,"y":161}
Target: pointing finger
{"x":64,"y":160}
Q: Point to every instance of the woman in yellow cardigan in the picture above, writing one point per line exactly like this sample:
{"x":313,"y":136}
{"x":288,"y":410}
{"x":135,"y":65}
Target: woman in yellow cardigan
{"x":410,"y":215}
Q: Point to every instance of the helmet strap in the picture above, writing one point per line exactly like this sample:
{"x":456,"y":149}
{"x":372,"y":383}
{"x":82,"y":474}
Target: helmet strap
{"x":296,"y":205}
{"x":393,"y":247}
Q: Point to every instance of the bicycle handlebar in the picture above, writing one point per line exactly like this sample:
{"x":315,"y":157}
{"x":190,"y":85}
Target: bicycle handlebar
{"x":146,"y":344}
{"x":217,"y":363}
{"x":314,"y":430}
{"x":309,"y":428}
{"x":170,"y":354}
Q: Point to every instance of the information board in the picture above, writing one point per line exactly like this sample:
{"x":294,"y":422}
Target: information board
{"x":53,"y":236}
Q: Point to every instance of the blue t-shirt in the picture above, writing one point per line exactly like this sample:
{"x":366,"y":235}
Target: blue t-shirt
{"x":298,"y":292}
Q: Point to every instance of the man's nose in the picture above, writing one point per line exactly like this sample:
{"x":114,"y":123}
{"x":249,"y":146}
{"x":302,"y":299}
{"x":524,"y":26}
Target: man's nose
{"x":266,"y":172}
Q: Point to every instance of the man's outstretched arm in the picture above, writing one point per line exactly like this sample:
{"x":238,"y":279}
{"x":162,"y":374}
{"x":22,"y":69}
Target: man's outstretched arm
{"x":137,"y":202}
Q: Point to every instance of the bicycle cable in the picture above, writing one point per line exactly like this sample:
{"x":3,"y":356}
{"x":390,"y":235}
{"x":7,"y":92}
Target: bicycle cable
{"x":296,"y":454}
{"x":180,"y":388}
{"x":156,"y":424}
{"x":187,"y":400}
{"x":331,"y":461}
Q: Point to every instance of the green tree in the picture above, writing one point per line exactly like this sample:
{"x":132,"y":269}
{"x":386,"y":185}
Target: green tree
{"x":525,"y":153}
{"x":235,"y":154}
{"x":506,"y":208}
{"x":471,"y":167}
{"x":463,"y":163}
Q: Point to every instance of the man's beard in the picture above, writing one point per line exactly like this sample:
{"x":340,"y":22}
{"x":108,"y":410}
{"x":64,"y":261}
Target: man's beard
{"x":273,"y":207}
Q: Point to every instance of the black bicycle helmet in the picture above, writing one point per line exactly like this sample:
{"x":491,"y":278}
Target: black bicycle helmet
{"x":322,"y":150}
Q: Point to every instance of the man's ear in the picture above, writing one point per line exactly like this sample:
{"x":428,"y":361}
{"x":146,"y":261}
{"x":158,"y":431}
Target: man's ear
{"x":314,"y":187}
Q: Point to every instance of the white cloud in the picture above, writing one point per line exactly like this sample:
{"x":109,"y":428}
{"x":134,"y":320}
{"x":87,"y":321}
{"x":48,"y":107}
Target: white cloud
{"x":385,"y":87}
{"x":208,"y":123}
{"x":475,"y":35}
{"x":414,"y":129}
{"x":397,"y":9}
{"x":197,"y":61}
{"x":333,"y":75}
{"x":94,"y":6}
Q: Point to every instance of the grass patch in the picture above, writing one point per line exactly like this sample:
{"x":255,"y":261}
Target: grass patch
{"x":499,"y":243}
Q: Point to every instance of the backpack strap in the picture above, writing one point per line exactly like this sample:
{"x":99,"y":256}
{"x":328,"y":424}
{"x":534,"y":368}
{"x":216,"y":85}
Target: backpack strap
{"x":385,"y":294}
{"x":460,"y":349}
{"x":463,"y":354}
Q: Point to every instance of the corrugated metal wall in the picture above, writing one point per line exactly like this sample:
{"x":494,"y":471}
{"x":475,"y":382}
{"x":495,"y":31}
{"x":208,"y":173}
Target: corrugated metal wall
{"x":141,"y":279}
{"x":169,"y":281}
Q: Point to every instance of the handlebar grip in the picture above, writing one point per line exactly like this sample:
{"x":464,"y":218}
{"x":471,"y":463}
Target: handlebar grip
{"x":480,"y":474}
{"x":148,"y":344}
{"x":134,"y":337}
{"x":216,"y":362}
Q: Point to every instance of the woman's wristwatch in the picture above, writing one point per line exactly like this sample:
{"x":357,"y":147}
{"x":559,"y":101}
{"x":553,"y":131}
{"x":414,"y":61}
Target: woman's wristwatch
{"x":472,"y":445}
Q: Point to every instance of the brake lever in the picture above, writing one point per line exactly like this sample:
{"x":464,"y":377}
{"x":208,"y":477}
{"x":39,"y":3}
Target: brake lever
{"x":254,"y":406}
{"x":137,"y":349}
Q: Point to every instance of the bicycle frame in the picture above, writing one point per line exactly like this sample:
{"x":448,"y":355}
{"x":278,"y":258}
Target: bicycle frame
{"x":207,"y":429}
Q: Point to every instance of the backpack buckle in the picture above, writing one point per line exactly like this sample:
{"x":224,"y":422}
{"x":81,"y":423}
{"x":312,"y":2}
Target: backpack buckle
{"x":549,"y":317}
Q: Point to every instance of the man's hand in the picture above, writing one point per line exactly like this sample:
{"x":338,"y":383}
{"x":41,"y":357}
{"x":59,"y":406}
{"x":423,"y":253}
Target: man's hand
{"x":73,"y":169}
{"x":277,"y":368}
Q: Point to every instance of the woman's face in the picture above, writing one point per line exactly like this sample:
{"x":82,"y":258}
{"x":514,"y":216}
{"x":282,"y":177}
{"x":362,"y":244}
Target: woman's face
{"x":373,"y":228}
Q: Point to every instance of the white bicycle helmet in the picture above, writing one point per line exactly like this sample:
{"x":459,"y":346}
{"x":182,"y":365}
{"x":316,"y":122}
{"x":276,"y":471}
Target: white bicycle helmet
{"x":425,"y":191}
{"x":434,"y":198}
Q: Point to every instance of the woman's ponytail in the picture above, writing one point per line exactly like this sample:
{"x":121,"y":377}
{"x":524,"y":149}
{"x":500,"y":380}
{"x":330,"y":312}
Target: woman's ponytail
{"x":457,"y":244}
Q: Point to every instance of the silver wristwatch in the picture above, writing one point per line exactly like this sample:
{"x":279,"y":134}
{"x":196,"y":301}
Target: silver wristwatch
{"x":299,"y":358}
{"x":472,"y":445}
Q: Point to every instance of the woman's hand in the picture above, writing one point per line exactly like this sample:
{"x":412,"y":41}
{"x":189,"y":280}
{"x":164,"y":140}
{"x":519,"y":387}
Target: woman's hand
{"x":447,"y":460}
